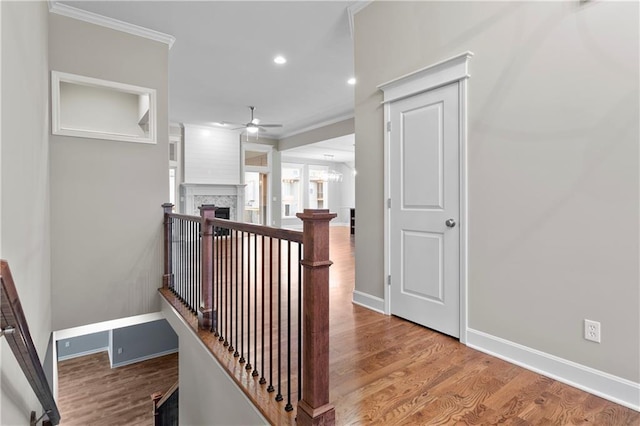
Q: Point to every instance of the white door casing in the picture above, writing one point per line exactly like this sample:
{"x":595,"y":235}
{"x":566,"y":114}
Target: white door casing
{"x":425,"y":185}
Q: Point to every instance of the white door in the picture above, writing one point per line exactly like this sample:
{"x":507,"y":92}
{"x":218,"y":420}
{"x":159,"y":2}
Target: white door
{"x":425,"y":209}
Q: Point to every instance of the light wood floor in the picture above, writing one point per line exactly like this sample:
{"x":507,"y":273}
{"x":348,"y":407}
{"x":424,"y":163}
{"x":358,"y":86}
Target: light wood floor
{"x":92,"y":393}
{"x":387,"y":371}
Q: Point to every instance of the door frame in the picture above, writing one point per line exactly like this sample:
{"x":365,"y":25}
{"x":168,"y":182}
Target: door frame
{"x":452,"y":70}
{"x":268,"y":149}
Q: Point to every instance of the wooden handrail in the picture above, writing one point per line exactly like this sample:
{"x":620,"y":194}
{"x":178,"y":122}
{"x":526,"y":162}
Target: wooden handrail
{"x":22,"y":345}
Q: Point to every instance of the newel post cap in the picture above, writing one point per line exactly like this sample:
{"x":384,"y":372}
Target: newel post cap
{"x":316,"y":214}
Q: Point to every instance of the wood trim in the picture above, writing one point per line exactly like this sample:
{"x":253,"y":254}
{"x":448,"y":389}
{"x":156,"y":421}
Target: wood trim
{"x":315,"y":408}
{"x":21,"y":343}
{"x":166,"y":395}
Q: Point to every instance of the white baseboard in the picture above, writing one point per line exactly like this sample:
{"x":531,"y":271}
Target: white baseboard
{"x":79,"y":354}
{"x":367,"y":301}
{"x":605,"y":385}
{"x":143,"y":358}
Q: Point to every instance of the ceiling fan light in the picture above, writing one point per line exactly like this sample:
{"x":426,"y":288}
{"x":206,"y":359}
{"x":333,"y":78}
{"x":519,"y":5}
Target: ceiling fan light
{"x":252,"y":129}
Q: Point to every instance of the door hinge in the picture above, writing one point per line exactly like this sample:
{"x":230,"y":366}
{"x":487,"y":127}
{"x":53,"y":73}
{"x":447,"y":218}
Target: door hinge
{"x":388,"y":203}
{"x":388,"y":279}
{"x":388,"y":126}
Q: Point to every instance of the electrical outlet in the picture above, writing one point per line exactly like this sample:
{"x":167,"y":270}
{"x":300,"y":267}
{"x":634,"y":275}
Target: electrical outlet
{"x":592,"y":330}
{"x":66,"y":344}
{"x":119,"y":351}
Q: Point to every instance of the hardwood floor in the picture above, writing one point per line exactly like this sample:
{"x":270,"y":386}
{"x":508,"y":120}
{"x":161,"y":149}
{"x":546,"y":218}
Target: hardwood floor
{"x":92,"y":393}
{"x":388,"y":371}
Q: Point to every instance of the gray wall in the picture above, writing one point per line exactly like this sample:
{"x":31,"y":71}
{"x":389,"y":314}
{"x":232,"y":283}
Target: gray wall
{"x":208,"y":396}
{"x":24,"y":188}
{"x":105,"y":210}
{"x":142,"y":341}
{"x":553,"y":164}
{"x":82,"y":345}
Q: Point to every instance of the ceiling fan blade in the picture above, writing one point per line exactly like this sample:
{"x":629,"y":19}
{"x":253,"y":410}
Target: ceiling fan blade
{"x":239,"y":128}
{"x":271,"y":125}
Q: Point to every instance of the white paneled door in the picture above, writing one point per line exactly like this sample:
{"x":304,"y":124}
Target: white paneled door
{"x":424,"y":184}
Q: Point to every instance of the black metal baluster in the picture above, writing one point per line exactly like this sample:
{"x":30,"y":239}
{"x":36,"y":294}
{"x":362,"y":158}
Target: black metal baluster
{"x":262,"y":379}
{"x":279,"y":394}
{"x":255,"y":307}
{"x":226,"y":289}
{"x":181,"y":258}
{"x":248,"y":366}
{"x":192,"y":267}
{"x":230,"y":287}
{"x":242,"y":360}
{"x":215,"y":323}
{"x":220,"y":245}
{"x":270,"y":388}
{"x":235,"y":353}
{"x":288,"y":407}
{"x":199,"y":271}
{"x":299,"y":321}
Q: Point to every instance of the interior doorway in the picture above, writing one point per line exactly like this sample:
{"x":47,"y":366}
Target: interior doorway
{"x":256,"y":199}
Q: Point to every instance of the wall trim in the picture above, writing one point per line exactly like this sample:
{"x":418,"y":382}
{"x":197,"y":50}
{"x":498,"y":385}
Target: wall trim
{"x":605,"y":385}
{"x":143,"y":358}
{"x":114,"y":24}
{"x":368,"y":301}
{"x":85,"y":353}
{"x":353,"y":10}
{"x":439,"y":74}
{"x":68,"y":333}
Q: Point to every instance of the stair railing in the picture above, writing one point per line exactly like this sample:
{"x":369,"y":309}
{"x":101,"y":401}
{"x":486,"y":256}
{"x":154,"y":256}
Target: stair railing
{"x":16,"y":330}
{"x":264,"y":293}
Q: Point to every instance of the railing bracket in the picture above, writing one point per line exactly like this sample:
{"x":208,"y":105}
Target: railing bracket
{"x":33,"y":421}
{"x":7,"y":330}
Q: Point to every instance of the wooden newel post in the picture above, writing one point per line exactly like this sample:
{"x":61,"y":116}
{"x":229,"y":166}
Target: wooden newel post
{"x":205,"y":312}
{"x":167,"y":277}
{"x":315,"y":408}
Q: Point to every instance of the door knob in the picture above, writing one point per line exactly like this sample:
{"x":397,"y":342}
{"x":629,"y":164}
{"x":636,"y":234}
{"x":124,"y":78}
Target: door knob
{"x":450,"y":223}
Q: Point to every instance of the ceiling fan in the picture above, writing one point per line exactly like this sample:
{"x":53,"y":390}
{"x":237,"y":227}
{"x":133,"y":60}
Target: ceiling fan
{"x":254,"y":126}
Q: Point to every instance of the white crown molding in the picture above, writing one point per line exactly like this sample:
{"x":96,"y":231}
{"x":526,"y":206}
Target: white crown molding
{"x":315,"y":126}
{"x":353,"y":10}
{"x":114,"y":24}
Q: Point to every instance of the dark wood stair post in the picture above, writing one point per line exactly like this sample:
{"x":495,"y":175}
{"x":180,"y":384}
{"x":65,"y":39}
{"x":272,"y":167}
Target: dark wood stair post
{"x":314,"y":408}
{"x":167,"y":277}
{"x":205,"y":312}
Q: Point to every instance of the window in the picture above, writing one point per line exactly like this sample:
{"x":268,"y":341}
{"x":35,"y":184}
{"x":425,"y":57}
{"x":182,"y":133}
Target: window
{"x":318,"y":187}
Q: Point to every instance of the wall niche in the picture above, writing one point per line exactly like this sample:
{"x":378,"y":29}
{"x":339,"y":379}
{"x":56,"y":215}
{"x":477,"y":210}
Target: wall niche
{"x":92,"y":108}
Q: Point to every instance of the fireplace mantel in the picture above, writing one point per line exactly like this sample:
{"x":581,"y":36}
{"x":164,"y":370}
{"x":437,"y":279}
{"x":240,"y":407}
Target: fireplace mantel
{"x":193,"y":195}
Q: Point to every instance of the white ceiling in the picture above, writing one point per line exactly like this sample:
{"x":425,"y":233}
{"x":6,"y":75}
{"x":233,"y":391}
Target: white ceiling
{"x":222,"y":59}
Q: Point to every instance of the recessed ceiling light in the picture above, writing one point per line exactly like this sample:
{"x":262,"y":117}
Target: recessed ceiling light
{"x":351,"y":81}
{"x":280,"y":60}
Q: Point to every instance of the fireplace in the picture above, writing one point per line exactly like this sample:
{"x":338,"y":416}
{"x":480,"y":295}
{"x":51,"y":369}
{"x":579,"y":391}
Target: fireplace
{"x":193,"y":195}
{"x":221,"y":213}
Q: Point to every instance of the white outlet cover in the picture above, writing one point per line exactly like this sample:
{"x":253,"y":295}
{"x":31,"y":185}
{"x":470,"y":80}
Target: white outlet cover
{"x":592,"y":330}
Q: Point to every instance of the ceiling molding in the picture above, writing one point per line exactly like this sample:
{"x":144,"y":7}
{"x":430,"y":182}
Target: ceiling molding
{"x":318,"y":125}
{"x":114,"y":24}
{"x":353,"y":10}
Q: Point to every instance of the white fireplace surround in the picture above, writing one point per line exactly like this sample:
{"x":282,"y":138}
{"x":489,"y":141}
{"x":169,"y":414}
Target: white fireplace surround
{"x":193,"y":195}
